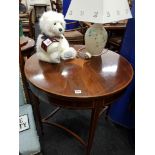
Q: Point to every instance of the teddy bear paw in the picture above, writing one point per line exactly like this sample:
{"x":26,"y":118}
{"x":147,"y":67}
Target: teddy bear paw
{"x":69,"y":54}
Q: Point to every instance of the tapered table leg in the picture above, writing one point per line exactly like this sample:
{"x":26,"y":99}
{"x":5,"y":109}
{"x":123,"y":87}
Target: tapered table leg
{"x":36,"y":103}
{"x":94,"y":120}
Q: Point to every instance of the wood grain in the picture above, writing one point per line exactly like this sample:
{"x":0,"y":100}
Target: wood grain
{"x":97,"y":77}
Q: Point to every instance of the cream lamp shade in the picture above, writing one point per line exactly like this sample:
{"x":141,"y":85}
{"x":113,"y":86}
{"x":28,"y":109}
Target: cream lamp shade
{"x":98,"y":12}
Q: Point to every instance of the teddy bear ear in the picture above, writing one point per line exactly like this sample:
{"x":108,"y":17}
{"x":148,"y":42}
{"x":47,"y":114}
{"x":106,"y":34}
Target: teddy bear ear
{"x":61,"y":15}
{"x":42,"y":20}
{"x":44,"y":15}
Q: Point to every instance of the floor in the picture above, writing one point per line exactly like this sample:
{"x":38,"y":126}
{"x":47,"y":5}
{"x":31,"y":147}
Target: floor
{"x":110,"y":139}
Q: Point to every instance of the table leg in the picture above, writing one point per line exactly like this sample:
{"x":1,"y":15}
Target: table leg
{"x":37,"y":112}
{"x":94,"y":120}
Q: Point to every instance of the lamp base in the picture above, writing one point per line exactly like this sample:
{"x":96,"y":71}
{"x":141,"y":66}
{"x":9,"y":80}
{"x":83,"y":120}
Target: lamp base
{"x":95,"y":39}
{"x":84,"y":54}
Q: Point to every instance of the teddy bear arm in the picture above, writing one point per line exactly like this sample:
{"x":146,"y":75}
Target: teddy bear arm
{"x":64,"y":44}
{"x":55,"y":57}
{"x":53,"y":48}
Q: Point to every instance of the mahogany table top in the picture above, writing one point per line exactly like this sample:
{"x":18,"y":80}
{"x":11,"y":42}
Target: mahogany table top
{"x":78,"y":78}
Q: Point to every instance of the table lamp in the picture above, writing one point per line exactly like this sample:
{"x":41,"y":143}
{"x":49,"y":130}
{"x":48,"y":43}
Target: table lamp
{"x":98,"y":12}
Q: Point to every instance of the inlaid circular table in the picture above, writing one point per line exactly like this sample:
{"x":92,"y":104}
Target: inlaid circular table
{"x":79,"y":84}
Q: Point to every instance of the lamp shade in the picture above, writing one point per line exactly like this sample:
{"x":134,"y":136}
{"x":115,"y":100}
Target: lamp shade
{"x":98,"y":11}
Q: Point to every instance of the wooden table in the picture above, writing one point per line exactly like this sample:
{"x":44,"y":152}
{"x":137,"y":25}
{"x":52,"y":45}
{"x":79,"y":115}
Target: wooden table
{"x":28,"y":48}
{"x":79,"y":84}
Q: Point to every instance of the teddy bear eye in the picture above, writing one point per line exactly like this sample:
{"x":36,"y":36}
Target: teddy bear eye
{"x":54,"y":23}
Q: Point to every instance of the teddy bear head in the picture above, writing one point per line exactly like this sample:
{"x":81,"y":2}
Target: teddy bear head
{"x":52,"y":23}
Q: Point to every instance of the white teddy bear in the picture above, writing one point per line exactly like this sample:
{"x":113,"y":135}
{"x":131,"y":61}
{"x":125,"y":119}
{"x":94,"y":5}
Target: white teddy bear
{"x":51,"y":45}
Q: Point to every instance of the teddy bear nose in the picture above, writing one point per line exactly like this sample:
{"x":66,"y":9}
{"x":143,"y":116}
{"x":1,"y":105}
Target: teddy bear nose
{"x":60,"y":29}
